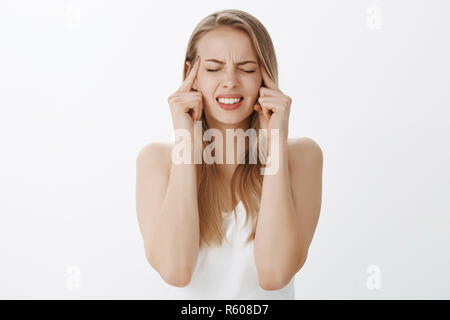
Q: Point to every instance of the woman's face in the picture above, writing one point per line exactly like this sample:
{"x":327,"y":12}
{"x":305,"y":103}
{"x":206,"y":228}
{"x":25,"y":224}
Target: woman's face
{"x":230,"y":46}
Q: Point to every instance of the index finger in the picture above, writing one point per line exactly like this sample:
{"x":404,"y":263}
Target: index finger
{"x":268,"y":82}
{"x":188,"y":82}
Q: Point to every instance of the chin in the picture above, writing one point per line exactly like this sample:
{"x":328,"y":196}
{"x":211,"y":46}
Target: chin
{"x":230,"y":119}
{"x":235,"y":118}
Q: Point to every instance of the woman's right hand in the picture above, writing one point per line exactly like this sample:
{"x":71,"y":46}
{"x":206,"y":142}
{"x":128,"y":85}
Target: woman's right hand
{"x":186,"y":105}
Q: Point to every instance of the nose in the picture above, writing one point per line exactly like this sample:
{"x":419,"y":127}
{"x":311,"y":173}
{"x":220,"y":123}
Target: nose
{"x":229,"y":79}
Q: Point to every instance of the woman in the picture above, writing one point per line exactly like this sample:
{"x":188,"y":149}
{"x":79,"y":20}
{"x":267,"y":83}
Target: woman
{"x":184,"y":209}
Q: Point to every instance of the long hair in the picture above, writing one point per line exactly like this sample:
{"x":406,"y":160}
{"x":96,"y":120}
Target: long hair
{"x":247,"y":179}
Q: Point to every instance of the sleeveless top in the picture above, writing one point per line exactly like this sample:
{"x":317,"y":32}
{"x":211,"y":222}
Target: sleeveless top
{"x":229,"y":272}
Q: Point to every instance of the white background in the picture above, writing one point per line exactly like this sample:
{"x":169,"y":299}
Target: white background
{"x":84,"y":86}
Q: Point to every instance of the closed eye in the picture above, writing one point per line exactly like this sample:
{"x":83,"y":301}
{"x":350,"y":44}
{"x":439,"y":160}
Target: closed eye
{"x":210,"y":70}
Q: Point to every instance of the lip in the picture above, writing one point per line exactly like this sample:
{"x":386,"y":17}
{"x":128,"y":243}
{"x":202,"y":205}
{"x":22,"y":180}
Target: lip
{"x":230,"y":106}
{"x":229,"y":95}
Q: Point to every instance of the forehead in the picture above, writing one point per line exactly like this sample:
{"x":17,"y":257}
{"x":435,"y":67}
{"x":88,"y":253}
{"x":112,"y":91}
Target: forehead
{"x":226,"y":43}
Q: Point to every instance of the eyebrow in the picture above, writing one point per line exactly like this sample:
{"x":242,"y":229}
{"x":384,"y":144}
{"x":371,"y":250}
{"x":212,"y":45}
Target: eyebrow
{"x":238,"y":63}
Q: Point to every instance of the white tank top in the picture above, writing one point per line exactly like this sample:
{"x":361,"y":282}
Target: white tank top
{"x":229,"y":272}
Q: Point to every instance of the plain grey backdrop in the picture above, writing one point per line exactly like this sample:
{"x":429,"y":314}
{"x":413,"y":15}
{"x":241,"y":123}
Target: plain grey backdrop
{"x":84,"y":86}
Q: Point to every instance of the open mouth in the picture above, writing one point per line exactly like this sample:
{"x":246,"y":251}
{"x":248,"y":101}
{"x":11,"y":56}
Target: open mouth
{"x":242,"y":98}
{"x":230,"y":106}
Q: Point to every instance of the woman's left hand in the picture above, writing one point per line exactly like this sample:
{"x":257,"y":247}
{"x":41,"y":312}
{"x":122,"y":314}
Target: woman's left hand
{"x":273,"y":107}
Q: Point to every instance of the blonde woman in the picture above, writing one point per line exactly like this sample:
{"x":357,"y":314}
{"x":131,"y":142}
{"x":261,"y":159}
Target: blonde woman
{"x":223,"y":230}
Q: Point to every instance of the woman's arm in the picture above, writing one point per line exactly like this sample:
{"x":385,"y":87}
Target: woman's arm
{"x":291,"y":194}
{"x":168,"y":214}
{"x":289,"y":212}
{"x":276,"y":245}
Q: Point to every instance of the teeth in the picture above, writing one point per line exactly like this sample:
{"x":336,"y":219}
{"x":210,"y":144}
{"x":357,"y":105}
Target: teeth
{"x":229,"y":101}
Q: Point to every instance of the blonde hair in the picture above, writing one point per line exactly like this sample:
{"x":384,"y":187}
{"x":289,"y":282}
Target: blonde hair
{"x":246,"y":181}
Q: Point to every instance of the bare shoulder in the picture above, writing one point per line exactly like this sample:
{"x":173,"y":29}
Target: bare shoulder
{"x":155,"y":155}
{"x":304,"y":149}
